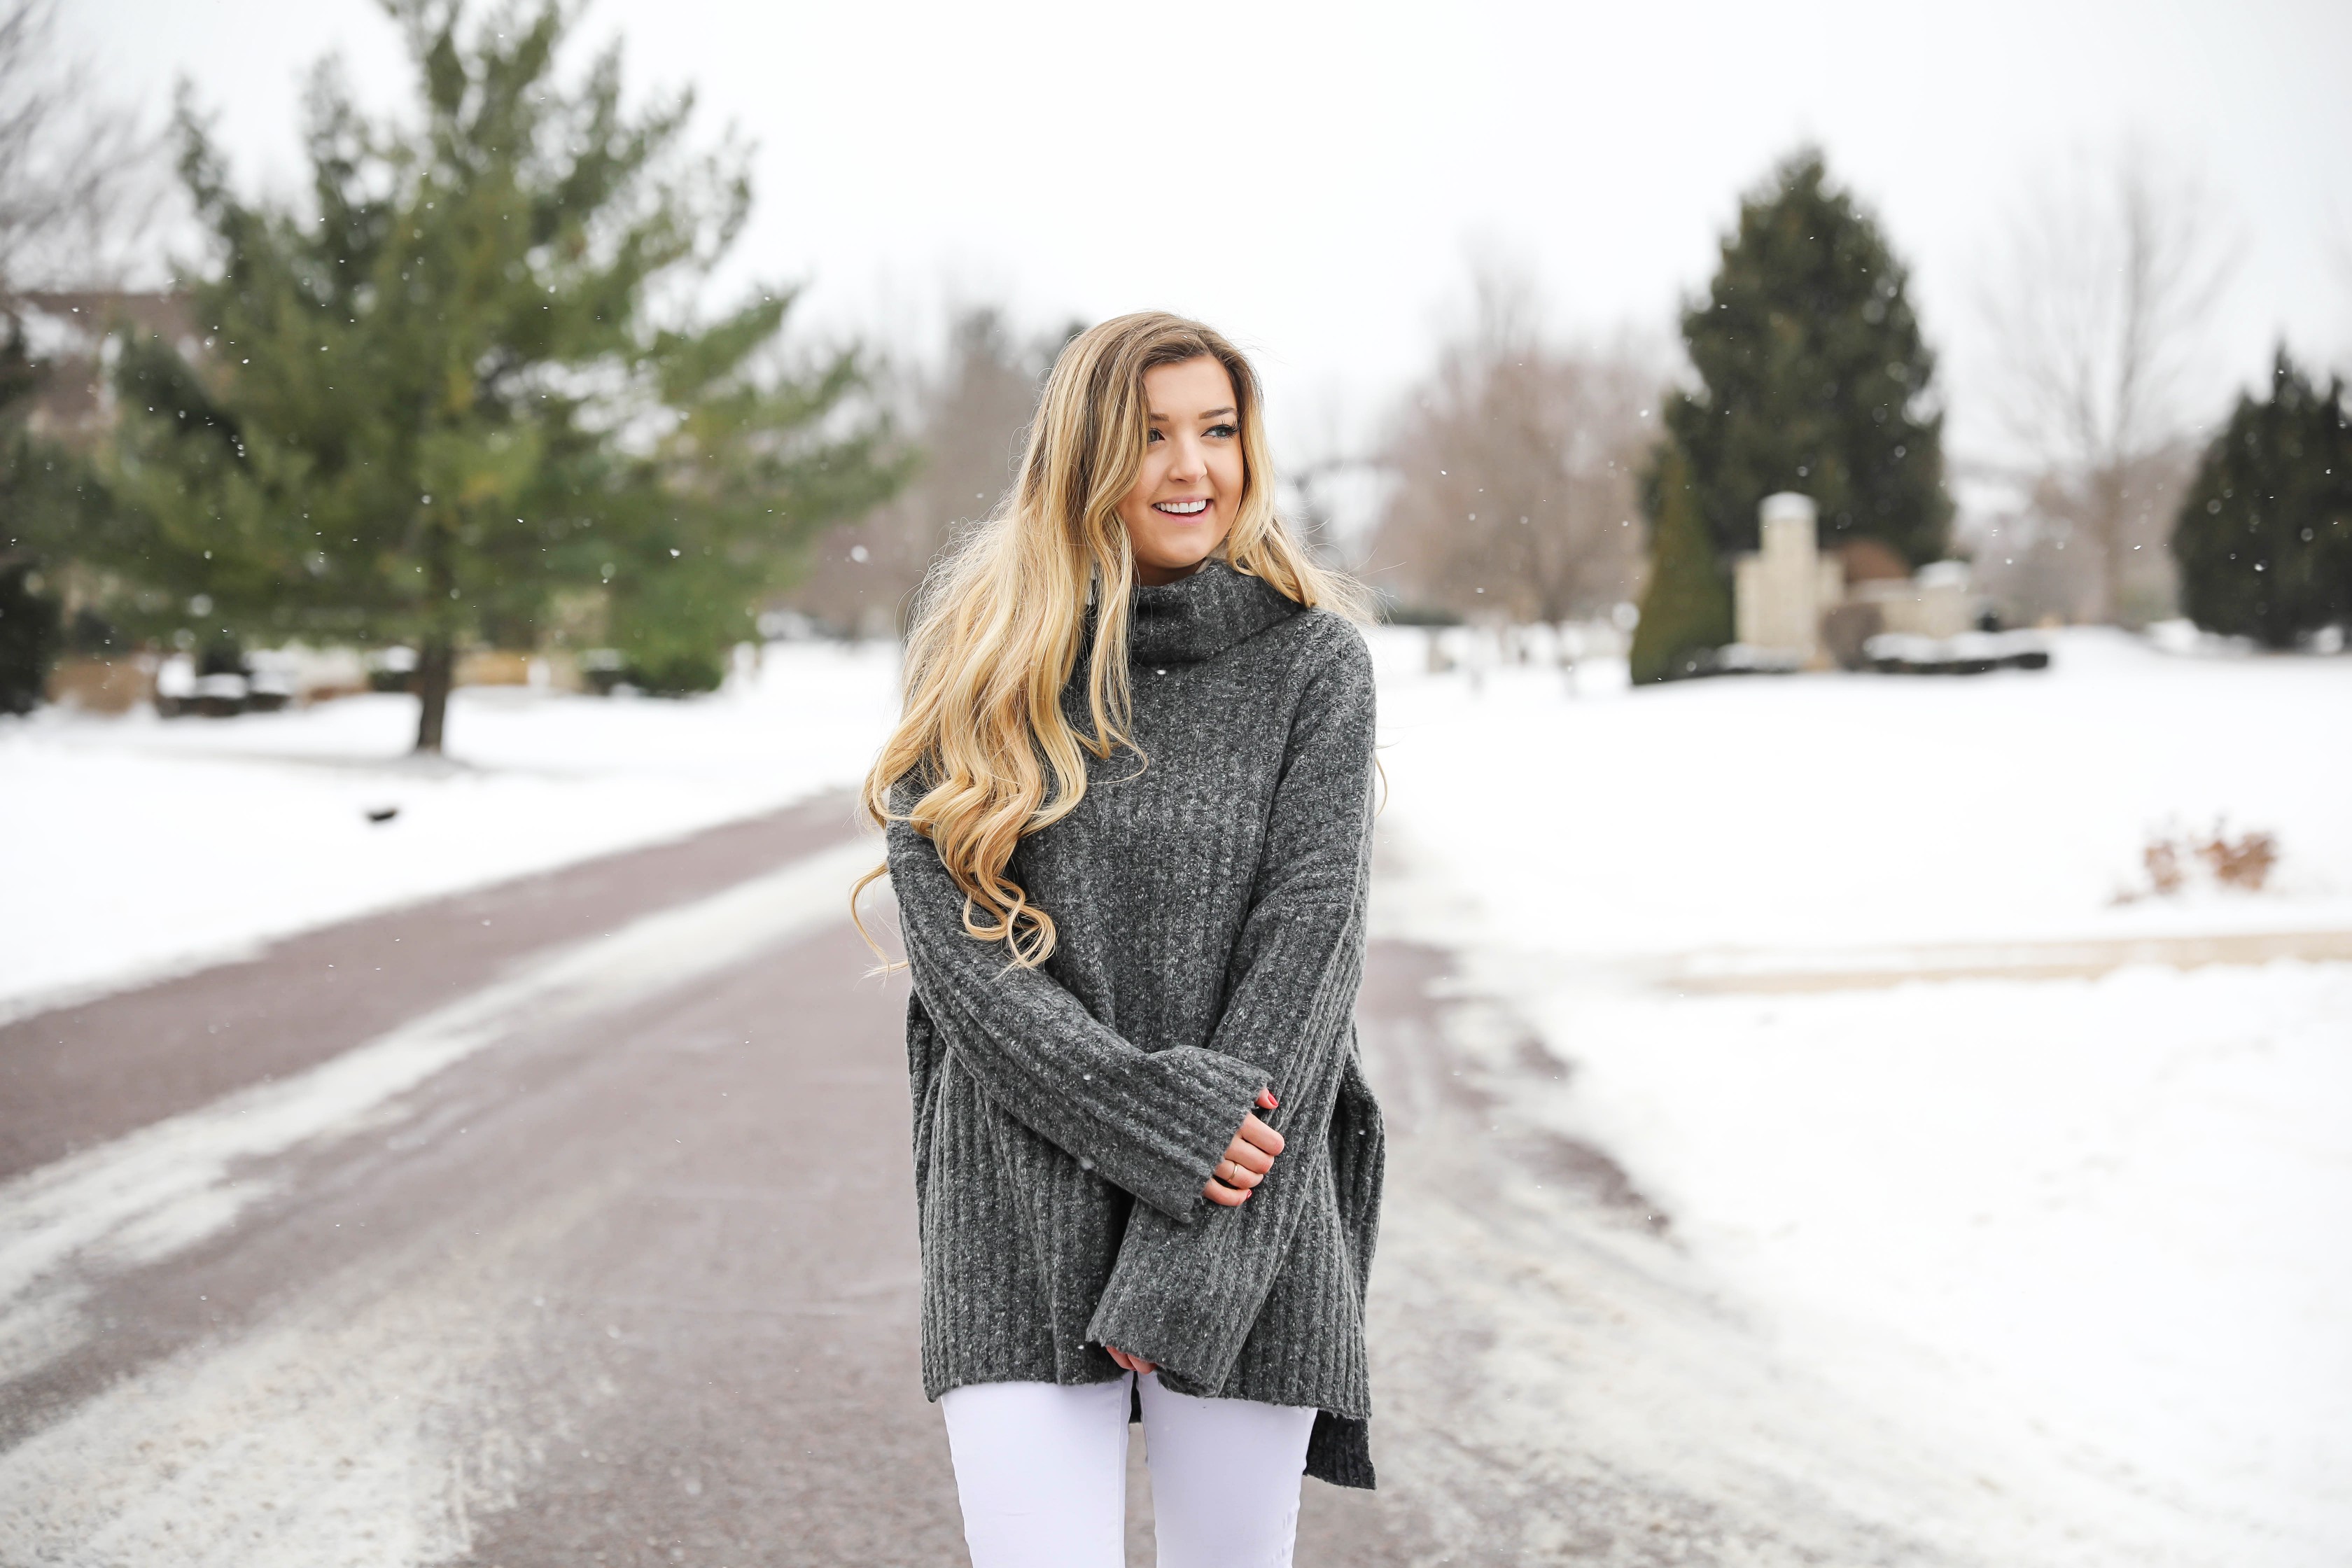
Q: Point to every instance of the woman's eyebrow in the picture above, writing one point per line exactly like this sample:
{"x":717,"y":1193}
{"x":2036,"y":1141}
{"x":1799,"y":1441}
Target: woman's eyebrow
{"x":1157,"y":417}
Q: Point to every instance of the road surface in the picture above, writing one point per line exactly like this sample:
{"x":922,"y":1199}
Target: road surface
{"x":570,"y":1222}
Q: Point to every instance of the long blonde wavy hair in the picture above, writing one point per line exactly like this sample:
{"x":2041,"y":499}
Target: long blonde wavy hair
{"x":1002,"y":617}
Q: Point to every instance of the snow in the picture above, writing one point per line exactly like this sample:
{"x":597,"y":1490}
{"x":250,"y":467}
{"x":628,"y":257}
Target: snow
{"x":318,"y":1440}
{"x":1867,"y":810}
{"x":2082,"y":1231}
{"x":163,"y":844}
{"x":2071,"y":1220}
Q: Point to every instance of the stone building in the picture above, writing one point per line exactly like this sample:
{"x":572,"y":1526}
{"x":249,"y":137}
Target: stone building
{"x":1794,"y":606}
{"x":1780,"y":593}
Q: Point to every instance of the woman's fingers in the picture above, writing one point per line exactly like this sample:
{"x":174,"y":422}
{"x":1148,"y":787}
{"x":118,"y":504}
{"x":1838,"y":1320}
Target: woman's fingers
{"x":1216,"y":1192}
{"x":1247,"y":1158}
{"x":1134,"y":1363}
{"x":1265,"y":1100}
{"x":1233,"y":1173}
{"x":1254,"y":1131}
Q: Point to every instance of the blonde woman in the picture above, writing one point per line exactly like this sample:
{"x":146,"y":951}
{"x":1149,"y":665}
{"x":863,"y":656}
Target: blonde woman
{"x":1129,"y":813}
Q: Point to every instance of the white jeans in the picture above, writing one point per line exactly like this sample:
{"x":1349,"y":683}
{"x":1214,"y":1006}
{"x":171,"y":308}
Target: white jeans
{"x":1041,"y":1473}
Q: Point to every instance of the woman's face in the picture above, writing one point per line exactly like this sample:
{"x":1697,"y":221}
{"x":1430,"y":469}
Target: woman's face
{"x":1183,"y":501}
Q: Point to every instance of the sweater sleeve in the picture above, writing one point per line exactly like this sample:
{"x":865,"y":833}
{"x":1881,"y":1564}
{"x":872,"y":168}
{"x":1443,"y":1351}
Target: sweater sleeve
{"x":1186,"y":1299}
{"x":1153,"y":1122}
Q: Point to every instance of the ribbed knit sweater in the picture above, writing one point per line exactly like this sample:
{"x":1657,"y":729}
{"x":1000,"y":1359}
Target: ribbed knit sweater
{"x":1209,"y":900}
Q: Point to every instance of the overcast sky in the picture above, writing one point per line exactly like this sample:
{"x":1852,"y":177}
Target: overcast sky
{"x":1314,"y":178}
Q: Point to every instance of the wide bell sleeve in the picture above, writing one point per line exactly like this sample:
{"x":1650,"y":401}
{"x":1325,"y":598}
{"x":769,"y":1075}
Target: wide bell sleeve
{"x":1153,"y":1122}
{"x":1186,"y":1296}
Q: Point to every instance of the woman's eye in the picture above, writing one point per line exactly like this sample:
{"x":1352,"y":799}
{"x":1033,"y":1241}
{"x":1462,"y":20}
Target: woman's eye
{"x":1153,"y":436}
{"x":1227,"y":431}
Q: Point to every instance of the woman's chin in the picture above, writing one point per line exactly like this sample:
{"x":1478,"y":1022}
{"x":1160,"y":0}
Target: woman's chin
{"x":1170,"y":559}
{"x":1164,"y":570}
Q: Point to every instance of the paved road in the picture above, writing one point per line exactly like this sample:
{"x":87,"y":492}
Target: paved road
{"x":536,"y":1225}
{"x":570,"y":1222}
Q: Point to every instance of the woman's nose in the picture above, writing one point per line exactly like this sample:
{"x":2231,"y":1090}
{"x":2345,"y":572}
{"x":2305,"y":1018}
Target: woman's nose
{"x":1189,"y":462}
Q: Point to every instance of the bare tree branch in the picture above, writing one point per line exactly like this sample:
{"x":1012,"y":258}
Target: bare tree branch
{"x":2339,"y":251}
{"x":2097,"y":309}
{"x":80,"y":179}
{"x":1516,"y":465}
{"x":966,"y":415}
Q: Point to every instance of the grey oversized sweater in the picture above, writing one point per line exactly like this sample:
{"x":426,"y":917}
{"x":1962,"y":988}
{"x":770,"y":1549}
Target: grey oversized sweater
{"x":1210,"y":905}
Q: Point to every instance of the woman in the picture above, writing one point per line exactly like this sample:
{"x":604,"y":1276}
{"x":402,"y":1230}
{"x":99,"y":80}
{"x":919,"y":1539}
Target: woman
{"x":1129,"y":815}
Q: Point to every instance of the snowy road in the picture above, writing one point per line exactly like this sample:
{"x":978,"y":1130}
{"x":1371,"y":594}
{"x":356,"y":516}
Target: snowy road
{"x":568,"y":1221}
{"x":564,"y":1221}
{"x":515,"y":1248}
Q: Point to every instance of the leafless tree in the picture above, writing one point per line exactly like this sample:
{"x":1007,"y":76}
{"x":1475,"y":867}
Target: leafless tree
{"x":2040,"y":559}
{"x":2340,"y":250}
{"x":2096,"y":310}
{"x":81,"y":178}
{"x":966,"y":418}
{"x":1516,"y":465}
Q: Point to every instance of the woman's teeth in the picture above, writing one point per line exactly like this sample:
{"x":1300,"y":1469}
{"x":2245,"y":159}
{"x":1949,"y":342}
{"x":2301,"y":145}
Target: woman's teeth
{"x":1181,"y":507}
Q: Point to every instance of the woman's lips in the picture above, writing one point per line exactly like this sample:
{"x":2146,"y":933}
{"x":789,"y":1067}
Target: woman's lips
{"x":1191,"y":506}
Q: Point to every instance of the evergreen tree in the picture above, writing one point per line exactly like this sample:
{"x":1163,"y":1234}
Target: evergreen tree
{"x":1686,"y":611}
{"x":30,"y":637}
{"x":44,"y":497}
{"x":433,"y":404}
{"x":2264,"y":540}
{"x":1813,"y":376}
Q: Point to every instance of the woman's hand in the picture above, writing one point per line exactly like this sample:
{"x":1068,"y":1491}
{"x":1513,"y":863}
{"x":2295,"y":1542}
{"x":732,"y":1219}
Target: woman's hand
{"x":1247,"y":1160}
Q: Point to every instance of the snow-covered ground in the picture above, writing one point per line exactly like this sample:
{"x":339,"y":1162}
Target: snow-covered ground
{"x":156,"y":844}
{"x":2083,"y":1235}
{"x":2075,"y":1220}
{"x":1840,"y":812}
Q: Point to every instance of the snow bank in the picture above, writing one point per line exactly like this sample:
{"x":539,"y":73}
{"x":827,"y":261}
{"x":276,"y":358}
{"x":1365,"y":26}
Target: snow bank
{"x":1865,"y":810}
{"x":2083,"y":1232}
{"x":158,"y":844}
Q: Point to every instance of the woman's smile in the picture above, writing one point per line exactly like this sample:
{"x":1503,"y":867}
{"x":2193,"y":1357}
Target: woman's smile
{"x":1188,"y":486}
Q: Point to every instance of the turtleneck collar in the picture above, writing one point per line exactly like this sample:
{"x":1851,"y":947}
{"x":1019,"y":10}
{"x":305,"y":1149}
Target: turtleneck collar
{"x":1200,"y":616}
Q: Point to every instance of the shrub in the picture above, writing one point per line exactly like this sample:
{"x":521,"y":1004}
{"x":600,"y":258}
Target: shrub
{"x":681,"y":673}
{"x":2265,"y":538}
{"x":1686,"y":611}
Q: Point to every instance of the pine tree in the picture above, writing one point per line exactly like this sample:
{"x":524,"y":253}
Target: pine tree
{"x":1686,"y":611}
{"x":1813,"y":376}
{"x":2264,"y":540}
{"x":434,"y":405}
{"x":44,"y":489}
{"x":30,"y":637}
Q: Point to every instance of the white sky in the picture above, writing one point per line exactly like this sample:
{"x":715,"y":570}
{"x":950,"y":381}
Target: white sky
{"x":1314,"y":178}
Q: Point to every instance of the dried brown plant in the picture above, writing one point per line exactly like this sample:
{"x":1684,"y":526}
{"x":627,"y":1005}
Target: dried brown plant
{"x":2244,"y":861}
